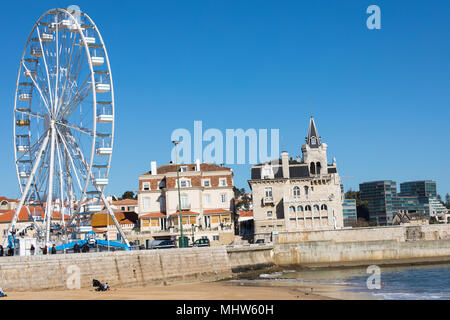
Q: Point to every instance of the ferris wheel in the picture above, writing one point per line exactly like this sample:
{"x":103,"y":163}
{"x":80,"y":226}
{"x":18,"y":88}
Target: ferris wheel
{"x":64,"y":123}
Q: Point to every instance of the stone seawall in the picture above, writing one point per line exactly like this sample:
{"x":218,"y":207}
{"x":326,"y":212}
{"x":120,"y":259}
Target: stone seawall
{"x":389,"y":252}
{"x":124,"y":269}
{"x":250,"y":257}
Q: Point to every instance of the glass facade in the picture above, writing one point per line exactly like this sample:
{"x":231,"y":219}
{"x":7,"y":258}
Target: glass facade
{"x":384,"y":201}
{"x":349,"y":211}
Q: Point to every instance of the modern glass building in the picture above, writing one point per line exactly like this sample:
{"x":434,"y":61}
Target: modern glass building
{"x":426,"y":188}
{"x":349,"y":212}
{"x":381,"y":197}
{"x":384,"y":201}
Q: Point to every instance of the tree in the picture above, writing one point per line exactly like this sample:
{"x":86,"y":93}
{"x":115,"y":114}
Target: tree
{"x":439,"y":198}
{"x":447,"y":199}
{"x":128,"y":195}
{"x":243,"y":200}
{"x":433,"y":220}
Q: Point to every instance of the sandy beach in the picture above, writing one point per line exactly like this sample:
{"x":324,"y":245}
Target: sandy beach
{"x":224,"y":290}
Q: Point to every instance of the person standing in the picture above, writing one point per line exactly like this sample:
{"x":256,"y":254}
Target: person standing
{"x":44,"y":250}
{"x":76,"y":248}
{"x":2,"y":252}
{"x":10,"y":251}
{"x":53,"y":249}
{"x":32,"y":249}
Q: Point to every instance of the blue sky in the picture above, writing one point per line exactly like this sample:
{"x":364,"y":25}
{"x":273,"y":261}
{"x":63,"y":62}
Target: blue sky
{"x":380,"y":98}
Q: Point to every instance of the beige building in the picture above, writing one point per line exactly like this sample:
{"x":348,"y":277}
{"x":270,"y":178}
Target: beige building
{"x":207,"y":202}
{"x":296,"y":195}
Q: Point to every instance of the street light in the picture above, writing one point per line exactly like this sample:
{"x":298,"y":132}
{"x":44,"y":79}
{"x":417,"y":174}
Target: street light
{"x":193,"y":229}
{"x":181,"y":243}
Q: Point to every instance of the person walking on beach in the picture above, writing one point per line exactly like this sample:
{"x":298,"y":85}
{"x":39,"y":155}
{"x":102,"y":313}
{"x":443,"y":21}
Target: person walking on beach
{"x":32,"y":250}
{"x":2,"y":252}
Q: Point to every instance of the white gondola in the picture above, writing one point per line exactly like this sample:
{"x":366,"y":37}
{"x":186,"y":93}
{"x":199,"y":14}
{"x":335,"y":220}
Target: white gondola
{"x":46,"y":37}
{"x":29,"y":73}
{"x":36,"y":52}
{"x":105,"y":118}
{"x":25,"y":97}
{"x":101,"y":181}
{"x":24,"y":174}
{"x":89,"y":40}
{"x":104,"y":151}
{"x":102,"y":87}
{"x":97,"y":61}
{"x":94,"y":207}
{"x":22,"y":149}
{"x":67,"y":23}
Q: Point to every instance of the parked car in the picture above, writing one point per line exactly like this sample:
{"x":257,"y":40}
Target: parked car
{"x":204,"y":242}
{"x":162,"y":244}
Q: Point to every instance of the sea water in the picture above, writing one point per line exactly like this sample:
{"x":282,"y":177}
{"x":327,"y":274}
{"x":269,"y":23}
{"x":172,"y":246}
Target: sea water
{"x":423,"y":282}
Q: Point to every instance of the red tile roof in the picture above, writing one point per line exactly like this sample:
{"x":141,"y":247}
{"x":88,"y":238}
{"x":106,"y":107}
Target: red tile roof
{"x":125,"y":202}
{"x":101,"y":219}
{"x":210,"y":211}
{"x":152,"y":214}
{"x":244,"y":213}
{"x":187,"y":213}
{"x":6,"y":216}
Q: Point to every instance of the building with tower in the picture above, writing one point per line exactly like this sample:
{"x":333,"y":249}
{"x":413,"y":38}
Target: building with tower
{"x":297,"y":194}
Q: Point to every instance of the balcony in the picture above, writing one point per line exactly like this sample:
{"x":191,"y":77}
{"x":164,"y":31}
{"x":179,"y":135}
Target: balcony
{"x":184,"y":206}
{"x":268,"y":200}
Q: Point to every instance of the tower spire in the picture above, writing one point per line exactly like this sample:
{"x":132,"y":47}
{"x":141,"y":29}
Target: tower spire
{"x":313,"y":138}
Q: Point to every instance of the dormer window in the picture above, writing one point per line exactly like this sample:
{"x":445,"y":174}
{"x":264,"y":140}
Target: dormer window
{"x":267,"y":172}
{"x":313,"y":140}
{"x":146,"y":186}
{"x":185,"y":183}
{"x":183,"y":169}
{"x":222,"y":182}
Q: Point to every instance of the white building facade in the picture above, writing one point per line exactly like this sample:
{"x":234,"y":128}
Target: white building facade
{"x":297,"y":195}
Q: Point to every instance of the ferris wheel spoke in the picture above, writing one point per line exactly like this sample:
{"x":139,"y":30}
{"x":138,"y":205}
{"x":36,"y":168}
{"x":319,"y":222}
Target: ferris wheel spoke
{"x":82,"y":92}
{"x":46,"y":66}
{"x":75,"y":127}
{"x":37,"y":87}
{"x":68,"y":153}
{"x":67,"y":70}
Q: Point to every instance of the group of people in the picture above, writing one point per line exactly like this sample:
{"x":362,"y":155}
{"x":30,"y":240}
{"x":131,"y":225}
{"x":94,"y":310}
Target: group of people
{"x":84,"y":248}
{"x":10,"y":251}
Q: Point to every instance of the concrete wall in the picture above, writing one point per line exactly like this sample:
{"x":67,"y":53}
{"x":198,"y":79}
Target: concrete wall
{"x":132,"y":268}
{"x":244,"y":258}
{"x":329,"y":253}
{"x":395,"y":233}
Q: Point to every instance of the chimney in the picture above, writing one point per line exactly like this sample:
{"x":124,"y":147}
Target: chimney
{"x":153,"y":168}
{"x":285,"y":164}
{"x":197,"y":164}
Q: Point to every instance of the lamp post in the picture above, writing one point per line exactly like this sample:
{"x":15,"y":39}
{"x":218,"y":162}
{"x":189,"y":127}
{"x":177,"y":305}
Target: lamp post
{"x":181,"y":243}
{"x":193,"y":229}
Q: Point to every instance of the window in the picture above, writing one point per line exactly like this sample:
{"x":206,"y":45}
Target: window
{"x":206,"y":199}
{"x":316,"y":208}
{"x":324,"y":207}
{"x":300,"y":209}
{"x":306,"y":190}
{"x":223,"y":197}
{"x":146,"y":203}
{"x":308,"y":208}
{"x":291,"y":209}
{"x":296,"y":192}
{"x":267,"y":172}
{"x":222,"y":182}
{"x":146,"y":186}
{"x":206,"y":183}
{"x":122,"y":208}
{"x":269,"y":213}
{"x":215,"y":238}
{"x":268,"y":192}
{"x":184,"y":202}
{"x":183,"y":169}
{"x":185,"y":183}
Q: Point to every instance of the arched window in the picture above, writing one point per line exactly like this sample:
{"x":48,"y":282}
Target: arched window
{"x":324,"y":207}
{"x":308,"y":208}
{"x":316,"y":208}
{"x":299,"y":209}
{"x":296,"y":192}
{"x":318,"y":167}
{"x":291,"y":209}
{"x":306,"y":190}
{"x":312,"y":168}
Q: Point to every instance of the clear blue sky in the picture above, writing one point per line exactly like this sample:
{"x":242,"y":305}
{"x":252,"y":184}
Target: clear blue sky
{"x":380,"y":98}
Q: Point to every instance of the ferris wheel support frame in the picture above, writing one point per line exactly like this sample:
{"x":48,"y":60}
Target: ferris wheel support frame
{"x":60,"y":107}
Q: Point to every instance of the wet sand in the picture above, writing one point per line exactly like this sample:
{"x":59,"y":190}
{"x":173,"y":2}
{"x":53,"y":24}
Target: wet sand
{"x":224,"y":290}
